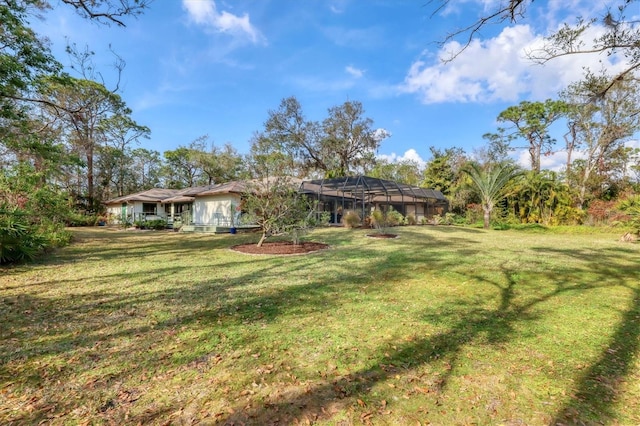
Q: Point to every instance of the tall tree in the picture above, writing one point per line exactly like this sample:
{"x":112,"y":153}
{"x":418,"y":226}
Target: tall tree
{"x":443,"y":169}
{"x":147,"y":168}
{"x":497,"y":148}
{"x":601,"y":121}
{"x":287,"y":131}
{"x":531,"y":121}
{"x":218,"y":164}
{"x":491,"y":183}
{"x":89,"y":113}
{"x":120,"y":133}
{"x":181,"y":169}
{"x":24,"y":58}
{"x":349,"y":142}
{"x":404,"y":171}
{"x":344,"y":143}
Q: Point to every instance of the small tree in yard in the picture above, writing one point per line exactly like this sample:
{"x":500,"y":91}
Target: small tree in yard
{"x":491,"y":184}
{"x":275,"y":205}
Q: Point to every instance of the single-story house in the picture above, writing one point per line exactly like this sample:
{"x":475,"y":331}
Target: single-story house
{"x":197,"y":207}
{"x":208,"y":208}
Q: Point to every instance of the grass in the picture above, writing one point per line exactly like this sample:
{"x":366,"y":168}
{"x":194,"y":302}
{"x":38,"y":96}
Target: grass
{"x":443,"y":325}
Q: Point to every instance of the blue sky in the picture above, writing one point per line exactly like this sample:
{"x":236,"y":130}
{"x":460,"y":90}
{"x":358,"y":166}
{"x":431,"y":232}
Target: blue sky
{"x":197,"y":67}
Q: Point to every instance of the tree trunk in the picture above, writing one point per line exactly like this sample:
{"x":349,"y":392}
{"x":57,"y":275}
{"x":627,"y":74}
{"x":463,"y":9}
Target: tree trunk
{"x":487,"y":216}
{"x":264,"y":237}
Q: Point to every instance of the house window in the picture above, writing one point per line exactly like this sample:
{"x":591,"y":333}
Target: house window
{"x":149,"y":208}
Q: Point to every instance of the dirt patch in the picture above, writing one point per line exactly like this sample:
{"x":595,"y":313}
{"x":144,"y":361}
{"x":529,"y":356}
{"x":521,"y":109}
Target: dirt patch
{"x":382,"y":235}
{"x":280,"y":248}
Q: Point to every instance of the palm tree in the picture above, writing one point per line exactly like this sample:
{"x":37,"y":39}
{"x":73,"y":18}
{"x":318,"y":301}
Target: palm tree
{"x":491,"y":183}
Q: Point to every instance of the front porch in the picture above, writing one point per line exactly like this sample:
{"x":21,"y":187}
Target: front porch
{"x":216,"y":229}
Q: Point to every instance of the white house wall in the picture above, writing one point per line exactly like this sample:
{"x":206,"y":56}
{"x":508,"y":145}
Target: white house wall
{"x":134,"y":211}
{"x":214,"y":209}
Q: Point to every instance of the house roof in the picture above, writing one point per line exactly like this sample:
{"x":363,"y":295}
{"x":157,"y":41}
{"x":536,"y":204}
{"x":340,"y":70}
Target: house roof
{"x":159,"y":195}
{"x":356,"y":187}
{"x":371,"y":189}
{"x":225,"y":188}
{"x":154,"y":195}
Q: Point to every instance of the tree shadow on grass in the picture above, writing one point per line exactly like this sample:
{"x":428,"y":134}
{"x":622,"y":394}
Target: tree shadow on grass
{"x":224,"y":304}
{"x":89,"y":324}
{"x":469,"y":325}
{"x":599,"y":388}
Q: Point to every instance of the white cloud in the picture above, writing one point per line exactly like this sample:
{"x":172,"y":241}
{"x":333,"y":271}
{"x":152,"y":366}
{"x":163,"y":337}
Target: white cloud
{"x":338,"y":6}
{"x":409,"y":155}
{"x":205,"y":13}
{"x":498,"y":69}
{"x":353,"y":71}
{"x":556,"y":161}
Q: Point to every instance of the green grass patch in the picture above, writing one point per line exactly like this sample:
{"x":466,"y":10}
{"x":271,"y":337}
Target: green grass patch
{"x":446,"y":325}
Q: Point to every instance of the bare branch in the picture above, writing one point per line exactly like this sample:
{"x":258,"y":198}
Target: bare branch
{"x":109,"y":11}
{"x":513,"y":11}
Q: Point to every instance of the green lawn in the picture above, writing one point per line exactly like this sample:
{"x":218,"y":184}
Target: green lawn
{"x":443,"y":325}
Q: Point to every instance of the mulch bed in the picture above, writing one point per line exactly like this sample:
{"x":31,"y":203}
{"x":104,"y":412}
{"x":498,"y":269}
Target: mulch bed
{"x":382,"y":235}
{"x":280,"y":248}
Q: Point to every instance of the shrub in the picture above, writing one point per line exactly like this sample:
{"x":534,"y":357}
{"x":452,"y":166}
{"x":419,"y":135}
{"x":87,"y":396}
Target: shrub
{"x":78,"y":219}
{"x":630,"y":207}
{"x":382,"y":220}
{"x":394,"y":217}
{"x":437,"y":219}
{"x":473,"y":213}
{"x":600,"y":211}
{"x":352,"y":220}
{"x":411,"y":219}
{"x":157,"y":224}
{"x":18,"y":240}
{"x":379,"y":220}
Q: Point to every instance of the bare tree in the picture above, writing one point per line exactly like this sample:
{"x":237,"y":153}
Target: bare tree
{"x":621,"y":34}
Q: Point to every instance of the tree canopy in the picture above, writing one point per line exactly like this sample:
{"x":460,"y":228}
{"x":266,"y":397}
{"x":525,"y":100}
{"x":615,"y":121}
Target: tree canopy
{"x":343,"y":144}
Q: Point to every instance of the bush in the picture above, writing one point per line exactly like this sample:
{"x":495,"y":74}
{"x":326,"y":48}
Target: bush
{"x":411,"y":219}
{"x":382,"y":220}
{"x":74,"y":219}
{"x":395,"y":218}
{"x":379,"y":220}
{"x":157,"y":224}
{"x":630,"y":207}
{"x":18,"y":240}
{"x":352,"y":220}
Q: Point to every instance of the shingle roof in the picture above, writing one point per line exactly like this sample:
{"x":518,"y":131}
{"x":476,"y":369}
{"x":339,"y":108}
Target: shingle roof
{"x":154,"y":195}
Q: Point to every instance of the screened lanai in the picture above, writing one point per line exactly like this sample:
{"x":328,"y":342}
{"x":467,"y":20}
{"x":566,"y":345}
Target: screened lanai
{"x":363,"y":194}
